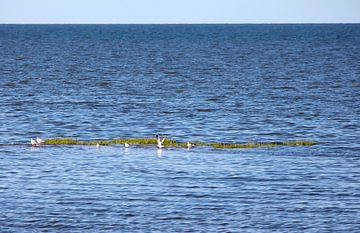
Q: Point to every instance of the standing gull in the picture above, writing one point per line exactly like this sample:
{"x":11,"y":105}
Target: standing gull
{"x":189,"y":145}
{"x":36,"y":142}
{"x":39,"y":141}
{"x":160,"y":141}
{"x":33,"y":142}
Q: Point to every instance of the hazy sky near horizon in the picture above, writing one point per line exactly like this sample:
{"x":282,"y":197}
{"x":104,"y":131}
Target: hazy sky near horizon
{"x":179,"y":11}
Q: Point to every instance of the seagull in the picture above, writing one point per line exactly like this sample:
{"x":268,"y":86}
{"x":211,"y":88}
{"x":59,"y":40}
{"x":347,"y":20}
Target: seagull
{"x":126,"y":145}
{"x":97,"y":146}
{"x":39,"y":141}
{"x":189,"y":145}
{"x":160,"y":141}
{"x":33,"y":142}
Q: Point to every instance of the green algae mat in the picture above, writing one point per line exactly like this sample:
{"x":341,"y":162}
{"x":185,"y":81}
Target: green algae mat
{"x":174,"y":143}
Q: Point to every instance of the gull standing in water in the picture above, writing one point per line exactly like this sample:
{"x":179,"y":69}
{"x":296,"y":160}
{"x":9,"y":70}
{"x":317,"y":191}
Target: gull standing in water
{"x":160,"y":141}
{"x":39,"y":141}
{"x":33,"y":142}
{"x":97,"y":146}
{"x":36,"y":142}
{"x":126,"y":145}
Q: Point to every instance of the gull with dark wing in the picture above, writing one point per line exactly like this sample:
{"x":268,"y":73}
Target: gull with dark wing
{"x":160,"y":141}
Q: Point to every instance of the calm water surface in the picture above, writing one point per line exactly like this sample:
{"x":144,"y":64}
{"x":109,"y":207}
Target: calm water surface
{"x":228,"y":83}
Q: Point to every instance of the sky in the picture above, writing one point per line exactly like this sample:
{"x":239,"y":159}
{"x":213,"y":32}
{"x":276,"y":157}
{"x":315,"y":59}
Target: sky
{"x":178,"y":11}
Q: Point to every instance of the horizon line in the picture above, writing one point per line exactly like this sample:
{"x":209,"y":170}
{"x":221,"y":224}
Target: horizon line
{"x":219,"y":23}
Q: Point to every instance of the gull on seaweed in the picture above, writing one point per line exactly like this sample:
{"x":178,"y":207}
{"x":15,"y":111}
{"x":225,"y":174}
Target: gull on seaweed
{"x":189,"y":145}
{"x":39,"y":141}
{"x":33,"y":142}
{"x":160,"y":141}
{"x":36,"y":142}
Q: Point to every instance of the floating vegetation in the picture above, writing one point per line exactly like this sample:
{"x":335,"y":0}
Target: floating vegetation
{"x":262,"y":144}
{"x":135,"y":141}
{"x":173,"y":143}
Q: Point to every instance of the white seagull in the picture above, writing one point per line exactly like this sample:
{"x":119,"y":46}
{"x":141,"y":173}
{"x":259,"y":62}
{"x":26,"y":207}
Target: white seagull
{"x":189,"y":145}
{"x":39,"y":141}
{"x":33,"y":142}
{"x":160,"y":141}
{"x":126,"y":145}
{"x":97,"y":146}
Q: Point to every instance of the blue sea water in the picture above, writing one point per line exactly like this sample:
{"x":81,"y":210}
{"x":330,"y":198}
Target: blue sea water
{"x":227,"y":83}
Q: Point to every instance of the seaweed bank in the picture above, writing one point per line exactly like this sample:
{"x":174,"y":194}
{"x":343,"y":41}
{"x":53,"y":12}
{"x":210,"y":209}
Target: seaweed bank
{"x":174,"y":143}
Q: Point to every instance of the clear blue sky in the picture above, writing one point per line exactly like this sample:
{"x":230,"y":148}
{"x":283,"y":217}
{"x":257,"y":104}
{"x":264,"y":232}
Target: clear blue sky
{"x":179,"y":11}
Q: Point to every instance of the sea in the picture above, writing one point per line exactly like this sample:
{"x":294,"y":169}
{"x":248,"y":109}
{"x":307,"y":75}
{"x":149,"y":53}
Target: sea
{"x":229,"y":83}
